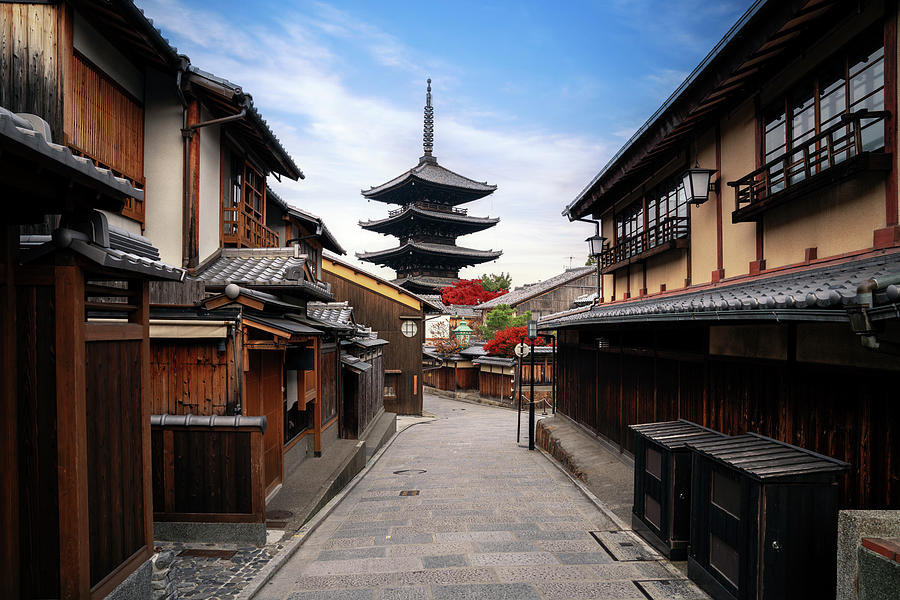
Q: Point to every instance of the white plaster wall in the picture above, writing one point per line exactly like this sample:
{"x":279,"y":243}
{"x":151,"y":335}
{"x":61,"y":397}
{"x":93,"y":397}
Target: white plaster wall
{"x":163,"y":166}
{"x":210,"y":181}
{"x":94,"y":46}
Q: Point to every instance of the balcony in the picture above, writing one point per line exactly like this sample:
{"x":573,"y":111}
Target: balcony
{"x":669,"y":234}
{"x":243,"y":228}
{"x":855,"y":144}
{"x":430,"y":206}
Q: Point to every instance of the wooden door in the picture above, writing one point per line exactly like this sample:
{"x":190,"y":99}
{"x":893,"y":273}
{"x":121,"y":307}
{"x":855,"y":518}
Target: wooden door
{"x":264,"y":398}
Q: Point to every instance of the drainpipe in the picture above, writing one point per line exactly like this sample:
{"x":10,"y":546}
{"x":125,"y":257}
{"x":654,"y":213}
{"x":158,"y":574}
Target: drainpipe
{"x":859,"y":316}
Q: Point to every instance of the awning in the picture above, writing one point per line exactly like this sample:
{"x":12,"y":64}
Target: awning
{"x":280,"y":326}
{"x":188,"y":329}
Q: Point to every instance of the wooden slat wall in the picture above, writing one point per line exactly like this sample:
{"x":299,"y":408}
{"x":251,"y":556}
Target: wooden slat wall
{"x":191,"y":377}
{"x":843,"y":412}
{"x":363,"y":397}
{"x":30,"y":53}
{"x":115,"y":464}
{"x":263,"y":382}
{"x":402,"y":353}
{"x":108,"y":123}
{"x":38,"y":479}
{"x":495,"y":385}
{"x":203,"y":472}
{"x":448,"y":378}
{"x":328,"y":365}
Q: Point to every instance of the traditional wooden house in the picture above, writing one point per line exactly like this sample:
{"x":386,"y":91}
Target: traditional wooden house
{"x":296,"y":226}
{"x":74,"y":348}
{"x":398,"y":316}
{"x":765,"y":300}
{"x":546,"y":297}
{"x":456,"y":372}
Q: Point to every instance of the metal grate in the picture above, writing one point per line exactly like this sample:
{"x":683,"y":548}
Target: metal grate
{"x":208,"y":553}
{"x":409,"y":493}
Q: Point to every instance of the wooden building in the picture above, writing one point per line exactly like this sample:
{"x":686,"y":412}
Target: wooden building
{"x":546,"y":297}
{"x":428,"y":221}
{"x":76,"y":468}
{"x":770,"y":304}
{"x":398,"y":316}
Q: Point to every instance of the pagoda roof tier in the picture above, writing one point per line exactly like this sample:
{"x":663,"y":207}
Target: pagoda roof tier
{"x":399,"y":220}
{"x":425,"y":253}
{"x":425,"y":285}
{"x":431,"y":182}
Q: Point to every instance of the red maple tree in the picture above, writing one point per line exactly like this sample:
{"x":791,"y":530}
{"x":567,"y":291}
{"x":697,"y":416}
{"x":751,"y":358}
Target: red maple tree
{"x":505,"y":340}
{"x":468,"y":292}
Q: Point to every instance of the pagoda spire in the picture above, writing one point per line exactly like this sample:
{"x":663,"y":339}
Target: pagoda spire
{"x":428,"y":137}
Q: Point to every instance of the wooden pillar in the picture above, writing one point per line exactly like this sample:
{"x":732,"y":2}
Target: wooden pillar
{"x":74,"y":531}
{"x":191,"y":251}
{"x":142,"y":317}
{"x":317,"y":415}
{"x":9,"y":455}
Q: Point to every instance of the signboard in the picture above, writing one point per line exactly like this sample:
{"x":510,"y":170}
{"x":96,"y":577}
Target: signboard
{"x":522,"y":350}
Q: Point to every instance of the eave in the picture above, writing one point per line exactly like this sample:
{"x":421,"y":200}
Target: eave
{"x":453,"y":254}
{"x":465,"y":224}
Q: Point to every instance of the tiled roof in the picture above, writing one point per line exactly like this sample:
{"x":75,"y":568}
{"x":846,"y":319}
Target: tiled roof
{"x":527,"y":292}
{"x":463,"y":310}
{"x":434,"y":299}
{"x":30,"y":137}
{"x":442,"y":249}
{"x":804,"y":294}
{"x":260,"y":266}
{"x":335,"y":313}
{"x":501,"y":361}
{"x":444,"y":216}
{"x":432,"y":172}
{"x":436,"y":283}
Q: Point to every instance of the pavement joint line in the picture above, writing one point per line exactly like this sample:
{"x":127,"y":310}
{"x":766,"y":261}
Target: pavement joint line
{"x":291,"y":547}
{"x":611,"y":515}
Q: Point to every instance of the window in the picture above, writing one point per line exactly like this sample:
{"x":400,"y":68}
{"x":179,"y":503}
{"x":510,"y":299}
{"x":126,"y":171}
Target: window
{"x":409,"y":328}
{"x":848,"y":83}
{"x":244,"y":207}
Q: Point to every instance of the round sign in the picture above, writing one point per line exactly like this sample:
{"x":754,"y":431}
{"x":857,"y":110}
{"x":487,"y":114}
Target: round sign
{"x":522,"y":350}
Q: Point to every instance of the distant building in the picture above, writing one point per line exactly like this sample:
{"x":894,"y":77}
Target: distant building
{"x":428,"y":221}
{"x":549,"y":296}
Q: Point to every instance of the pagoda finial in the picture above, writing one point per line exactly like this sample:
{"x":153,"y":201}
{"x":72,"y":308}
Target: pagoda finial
{"x":428,"y":138}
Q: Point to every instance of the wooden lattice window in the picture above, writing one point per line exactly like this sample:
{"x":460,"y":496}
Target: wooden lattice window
{"x":106,"y":124}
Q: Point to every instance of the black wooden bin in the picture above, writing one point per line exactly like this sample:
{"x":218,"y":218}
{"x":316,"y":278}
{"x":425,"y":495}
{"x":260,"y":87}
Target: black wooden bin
{"x":662,"y":482}
{"x":763,"y":519}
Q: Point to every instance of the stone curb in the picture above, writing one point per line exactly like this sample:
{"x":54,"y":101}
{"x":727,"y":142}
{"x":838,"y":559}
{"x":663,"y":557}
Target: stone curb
{"x":297,"y":540}
{"x":611,"y":515}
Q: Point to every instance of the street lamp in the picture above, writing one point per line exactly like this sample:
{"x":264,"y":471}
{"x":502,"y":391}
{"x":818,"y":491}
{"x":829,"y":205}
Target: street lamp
{"x":595,"y":249}
{"x":532,"y":335}
{"x":463,"y":333}
{"x":696,"y":184}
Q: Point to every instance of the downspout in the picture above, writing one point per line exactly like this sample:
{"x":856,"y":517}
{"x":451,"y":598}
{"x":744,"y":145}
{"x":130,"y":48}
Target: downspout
{"x":859,"y":316}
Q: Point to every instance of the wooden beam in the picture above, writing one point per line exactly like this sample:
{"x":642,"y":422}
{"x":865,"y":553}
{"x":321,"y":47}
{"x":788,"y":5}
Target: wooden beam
{"x":9,"y":471}
{"x":71,"y":419}
{"x":192,"y":208}
{"x":108,"y":332}
{"x":141,"y":319}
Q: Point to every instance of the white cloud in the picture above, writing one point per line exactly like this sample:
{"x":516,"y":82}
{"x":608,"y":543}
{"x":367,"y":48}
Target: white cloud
{"x":345,"y":140}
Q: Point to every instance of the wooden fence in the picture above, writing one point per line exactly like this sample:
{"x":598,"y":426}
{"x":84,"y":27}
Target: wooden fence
{"x":208,"y":469}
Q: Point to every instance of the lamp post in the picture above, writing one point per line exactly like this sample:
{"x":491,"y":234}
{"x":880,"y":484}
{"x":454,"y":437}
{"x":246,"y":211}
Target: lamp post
{"x":463,"y":333}
{"x":595,"y":249}
{"x":532,"y":335}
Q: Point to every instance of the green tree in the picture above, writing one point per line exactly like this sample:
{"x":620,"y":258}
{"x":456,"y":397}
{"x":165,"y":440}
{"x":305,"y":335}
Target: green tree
{"x":502,"y":317}
{"x":496,"y":281}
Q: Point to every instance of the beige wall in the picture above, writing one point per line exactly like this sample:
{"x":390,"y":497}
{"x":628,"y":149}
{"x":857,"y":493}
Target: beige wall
{"x":210,"y":183}
{"x":669,"y":268}
{"x":94,"y":46}
{"x":163,"y":166}
{"x":836,"y":220}
{"x":738,"y":159}
{"x":703,"y":220}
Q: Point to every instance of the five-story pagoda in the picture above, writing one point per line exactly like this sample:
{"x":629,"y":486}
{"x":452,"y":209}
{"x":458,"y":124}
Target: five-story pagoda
{"x":428,"y":221}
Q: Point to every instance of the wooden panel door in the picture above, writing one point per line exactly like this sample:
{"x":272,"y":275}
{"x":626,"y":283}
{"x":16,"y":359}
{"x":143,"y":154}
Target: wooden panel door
{"x":264,"y":398}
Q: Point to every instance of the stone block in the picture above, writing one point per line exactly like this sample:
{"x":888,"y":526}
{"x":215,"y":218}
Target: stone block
{"x":853,"y":525}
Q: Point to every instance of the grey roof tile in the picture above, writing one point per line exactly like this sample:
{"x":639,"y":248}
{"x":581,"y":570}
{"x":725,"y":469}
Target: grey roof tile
{"x":446,"y":249}
{"x":432,"y":173}
{"x":249,"y":266}
{"x":827,"y":287}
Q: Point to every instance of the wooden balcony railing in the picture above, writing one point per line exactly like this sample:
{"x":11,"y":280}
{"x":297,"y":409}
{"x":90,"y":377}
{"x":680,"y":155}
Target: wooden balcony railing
{"x":432,"y":207}
{"x":852,"y":144}
{"x":671,"y":232}
{"x":244,"y":228}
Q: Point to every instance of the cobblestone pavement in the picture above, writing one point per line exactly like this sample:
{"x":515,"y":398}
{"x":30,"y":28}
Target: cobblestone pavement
{"x":206,"y":577}
{"x":455,"y":509}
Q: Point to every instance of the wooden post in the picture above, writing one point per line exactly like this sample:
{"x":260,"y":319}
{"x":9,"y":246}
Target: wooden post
{"x":142,"y":317}
{"x":74,"y":530}
{"x":192,"y":208}
{"x":9,"y":472}
{"x":257,"y":485}
{"x":317,"y":414}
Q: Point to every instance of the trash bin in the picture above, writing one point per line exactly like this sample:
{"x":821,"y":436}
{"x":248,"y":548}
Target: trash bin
{"x":661,"y":511}
{"x":763,"y":519}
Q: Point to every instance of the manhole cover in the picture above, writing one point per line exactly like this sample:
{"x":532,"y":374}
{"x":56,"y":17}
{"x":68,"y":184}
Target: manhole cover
{"x":410,"y":472}
{"x":409,"y":493}
{"x":207,"y":553}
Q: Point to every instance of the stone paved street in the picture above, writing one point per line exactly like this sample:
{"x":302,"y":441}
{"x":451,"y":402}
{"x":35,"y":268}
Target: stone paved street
{"x":455,"y":509}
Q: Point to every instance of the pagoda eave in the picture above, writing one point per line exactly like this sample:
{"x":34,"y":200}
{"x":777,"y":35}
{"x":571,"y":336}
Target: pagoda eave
{"x":428,"y":255}
{"x":400,"y":222}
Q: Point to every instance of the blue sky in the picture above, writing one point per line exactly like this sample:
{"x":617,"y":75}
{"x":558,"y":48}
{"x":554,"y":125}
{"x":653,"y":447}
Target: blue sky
{"x":534,"y":97}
